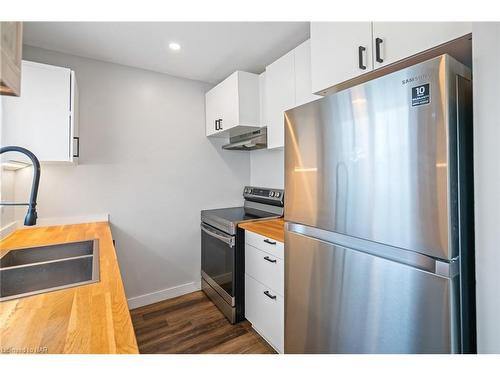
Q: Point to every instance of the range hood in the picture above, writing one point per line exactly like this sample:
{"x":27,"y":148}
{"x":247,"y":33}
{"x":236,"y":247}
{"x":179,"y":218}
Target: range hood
{"x":254,"y":140}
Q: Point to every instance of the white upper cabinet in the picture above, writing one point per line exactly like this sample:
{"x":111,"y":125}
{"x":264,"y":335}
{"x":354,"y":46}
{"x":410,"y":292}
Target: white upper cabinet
{"x":339,"y":51}
{"x":11,"y":47}
{"x":398,"y":40}
{"x":288,"y":85}
{"x":232,"y":107}
{"x":44,"y":118}
{"x":303,"y":84}
{"x":280,"y":96}
{"x":263,"y":99}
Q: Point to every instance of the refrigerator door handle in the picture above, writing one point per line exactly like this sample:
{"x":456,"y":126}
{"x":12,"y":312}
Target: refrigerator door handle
{"x":441,"y":267}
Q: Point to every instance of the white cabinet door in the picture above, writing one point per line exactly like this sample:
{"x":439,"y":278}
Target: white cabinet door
{"x":42,"y":118}
{"x":288,"y":85}
{"x":212,"y":111}
{"x":11,"y":51}
{"x":280,"y":94}
{"x":228,"y":104}
{"x":75,"y":119}
{"x":303,"y":84}
{"x":262,"y":99}
{"x":264,"y":308}
{"x":399,"y":40}
{"x":221,"y":105}
{"x":266,"y":268}
{"x":335,"y":48}
{"x":232,"y":107}
{"x":273,"y":247}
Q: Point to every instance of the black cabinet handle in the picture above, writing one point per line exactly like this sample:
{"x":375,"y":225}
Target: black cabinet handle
{"x":218,"y":124}
{"x":378,"y":42}
{"x":269,"y":242}
{"x":77,"y":155}
{"x":361,"y":50}
{"x":269,"y":259}
{"x":269,"y":294}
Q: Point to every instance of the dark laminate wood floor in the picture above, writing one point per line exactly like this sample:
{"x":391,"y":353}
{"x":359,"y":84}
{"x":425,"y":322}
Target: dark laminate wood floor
{"x":192,"y":324}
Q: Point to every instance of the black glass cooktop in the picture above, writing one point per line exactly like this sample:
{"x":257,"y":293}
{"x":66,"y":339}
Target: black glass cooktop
{"x":237,"y":214}
{"x":226,"y":219}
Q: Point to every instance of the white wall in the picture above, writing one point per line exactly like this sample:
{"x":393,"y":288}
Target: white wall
{"x":486,"y":54}
{"x":6,"y":189}
{"x":145,"y":160}
{"x":6,"y":195}
{"x":267,"y":168}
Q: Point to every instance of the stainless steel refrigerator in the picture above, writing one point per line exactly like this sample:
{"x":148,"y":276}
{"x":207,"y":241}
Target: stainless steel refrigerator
{"x":379,"y":216}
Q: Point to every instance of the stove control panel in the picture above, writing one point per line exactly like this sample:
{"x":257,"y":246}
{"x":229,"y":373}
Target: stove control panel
{"x":259,"y":194}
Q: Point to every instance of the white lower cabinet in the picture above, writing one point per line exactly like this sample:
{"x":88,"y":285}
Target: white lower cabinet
{"x":265,"y":267}
{"x":264,"y":288}
{"x":264,"y":308}
{"x":268,"y":245}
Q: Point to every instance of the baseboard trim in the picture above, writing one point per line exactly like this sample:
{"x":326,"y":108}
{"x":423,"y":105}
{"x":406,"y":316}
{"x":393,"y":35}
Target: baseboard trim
{"x":160,"y":295}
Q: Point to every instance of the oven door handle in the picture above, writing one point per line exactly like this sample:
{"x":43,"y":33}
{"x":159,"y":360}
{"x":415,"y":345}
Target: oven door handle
{"x":226,"y":239}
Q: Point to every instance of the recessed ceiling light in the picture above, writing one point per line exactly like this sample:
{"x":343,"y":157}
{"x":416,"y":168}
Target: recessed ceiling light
{"x":174,"y":46}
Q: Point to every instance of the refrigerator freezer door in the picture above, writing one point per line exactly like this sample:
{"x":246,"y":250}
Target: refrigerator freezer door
{"x":339,"y":300}
{"x":374,"y":161}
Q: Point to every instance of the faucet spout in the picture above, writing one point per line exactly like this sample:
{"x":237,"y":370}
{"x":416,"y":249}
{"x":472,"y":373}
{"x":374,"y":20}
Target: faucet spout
{"x":31,"y":215}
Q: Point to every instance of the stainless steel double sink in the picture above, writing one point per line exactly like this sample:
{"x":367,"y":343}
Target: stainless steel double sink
{"x":34,"y":270}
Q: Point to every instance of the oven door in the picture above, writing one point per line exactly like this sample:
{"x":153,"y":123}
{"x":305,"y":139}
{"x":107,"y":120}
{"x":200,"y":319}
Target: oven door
{"x":217,"y":261}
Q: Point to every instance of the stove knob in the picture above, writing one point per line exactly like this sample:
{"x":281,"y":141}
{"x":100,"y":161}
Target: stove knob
{"x":277,"y":195}
{"x":271,"y":194}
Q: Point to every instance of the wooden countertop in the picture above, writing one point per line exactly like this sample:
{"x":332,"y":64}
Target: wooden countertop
{"x":272,"y":228}
{"x":92,"y":318}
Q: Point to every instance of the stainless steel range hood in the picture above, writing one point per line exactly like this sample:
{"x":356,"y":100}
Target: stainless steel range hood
{"x":254,"y":140}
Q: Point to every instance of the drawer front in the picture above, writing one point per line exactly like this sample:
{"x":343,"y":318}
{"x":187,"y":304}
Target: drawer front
{"x":265,"y":268}
{"x":268,"y":245}
{"x":265,"y":313}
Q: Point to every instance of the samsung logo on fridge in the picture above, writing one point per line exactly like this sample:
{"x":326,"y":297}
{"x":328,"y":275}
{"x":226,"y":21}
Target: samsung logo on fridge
{"x":416,"y":79}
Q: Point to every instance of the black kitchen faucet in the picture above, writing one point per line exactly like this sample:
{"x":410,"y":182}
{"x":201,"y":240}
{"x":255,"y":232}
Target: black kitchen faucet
{"x":31,"y":215}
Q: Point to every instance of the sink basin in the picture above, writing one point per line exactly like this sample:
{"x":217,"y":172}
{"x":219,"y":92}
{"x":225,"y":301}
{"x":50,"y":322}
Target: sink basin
{"x":34,"y":270}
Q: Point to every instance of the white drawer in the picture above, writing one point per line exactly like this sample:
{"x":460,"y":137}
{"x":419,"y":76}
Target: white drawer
{"x":265,"y":313}
{"x":268,"y":245}
{"x":265,"y":268}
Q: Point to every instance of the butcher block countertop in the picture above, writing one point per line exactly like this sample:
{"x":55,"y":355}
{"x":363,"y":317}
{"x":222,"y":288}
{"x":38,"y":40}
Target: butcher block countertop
{"x":92,"y":318}
{"x":272,"y":228}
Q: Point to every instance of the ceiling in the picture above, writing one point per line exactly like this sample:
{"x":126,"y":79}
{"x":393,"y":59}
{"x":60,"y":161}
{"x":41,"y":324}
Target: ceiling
{"x":210,"y":51}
